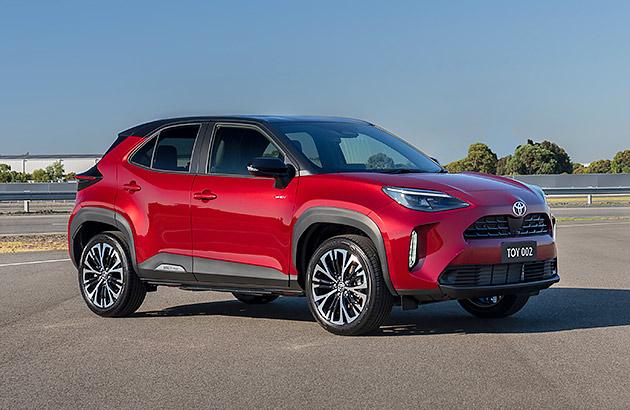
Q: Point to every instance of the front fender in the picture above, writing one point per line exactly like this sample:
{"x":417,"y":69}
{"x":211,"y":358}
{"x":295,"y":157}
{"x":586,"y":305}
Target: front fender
{"x":340,"y":216}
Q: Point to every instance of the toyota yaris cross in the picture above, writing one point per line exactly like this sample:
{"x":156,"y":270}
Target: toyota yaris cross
{"x":337,"y":210}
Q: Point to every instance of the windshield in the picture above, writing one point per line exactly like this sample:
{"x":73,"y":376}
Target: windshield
{"x":354,"y":147}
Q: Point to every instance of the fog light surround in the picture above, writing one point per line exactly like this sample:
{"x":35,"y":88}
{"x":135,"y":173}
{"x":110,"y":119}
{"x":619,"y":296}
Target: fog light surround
{"x":413,"y":249}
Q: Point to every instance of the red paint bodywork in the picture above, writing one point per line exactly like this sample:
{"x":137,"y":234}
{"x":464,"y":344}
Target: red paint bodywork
{"x":250,"y":221}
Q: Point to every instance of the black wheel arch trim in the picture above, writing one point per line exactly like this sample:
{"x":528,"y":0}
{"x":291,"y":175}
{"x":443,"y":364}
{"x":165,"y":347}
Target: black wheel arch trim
{"x":102,"y":215}
{"x":341,"y":216}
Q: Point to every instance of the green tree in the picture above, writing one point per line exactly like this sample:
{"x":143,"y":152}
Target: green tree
{"x":21,"y":176}
{"x":39,"y":175}
{"x":457,"y":166}
{"x":532,"y":158}
{"x":601,"y":166}
{"x":502,"y":165}
{"x":480,"y":159}
{"x":70,"y":176}
{"x":579,"y":168}
{"x":55,"y":172}
{"x":564,"y":165}
{"x":621,"y":162}
{"x":5,"y":173}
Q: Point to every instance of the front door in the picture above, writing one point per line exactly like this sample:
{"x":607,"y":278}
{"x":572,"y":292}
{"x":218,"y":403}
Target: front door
{"x":241,"y":225}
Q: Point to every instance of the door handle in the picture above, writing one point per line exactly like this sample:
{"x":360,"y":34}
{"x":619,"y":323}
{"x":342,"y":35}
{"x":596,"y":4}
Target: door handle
{"x":205,"y":195}
{"x":131,"y":187}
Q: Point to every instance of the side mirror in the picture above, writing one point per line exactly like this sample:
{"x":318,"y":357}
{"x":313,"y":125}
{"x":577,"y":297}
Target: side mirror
{"x":270,"y":167}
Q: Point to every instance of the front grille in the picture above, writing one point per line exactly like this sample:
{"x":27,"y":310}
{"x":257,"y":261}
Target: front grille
{"x":504,"y":226}
{"x":498,"y":274}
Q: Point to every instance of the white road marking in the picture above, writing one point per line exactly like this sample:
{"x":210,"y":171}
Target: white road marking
{"x":33,"y":262}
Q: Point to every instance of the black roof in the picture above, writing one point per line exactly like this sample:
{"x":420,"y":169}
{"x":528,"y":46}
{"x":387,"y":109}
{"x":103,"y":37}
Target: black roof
{"x":145,"y":129}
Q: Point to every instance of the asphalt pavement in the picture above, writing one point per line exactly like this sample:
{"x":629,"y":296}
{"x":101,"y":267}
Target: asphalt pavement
{"x":568,"y":348}
{"x":33,"y":224}
{"x":591,"y":212}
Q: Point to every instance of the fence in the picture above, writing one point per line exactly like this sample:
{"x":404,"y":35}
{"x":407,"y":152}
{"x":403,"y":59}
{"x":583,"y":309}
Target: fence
{"x":28,"y":192}
{"x":574,"y":184}
{"x":579,"y":184}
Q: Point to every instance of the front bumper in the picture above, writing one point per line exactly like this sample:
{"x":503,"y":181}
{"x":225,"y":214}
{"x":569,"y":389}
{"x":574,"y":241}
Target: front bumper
{"x":473,"y":281}
{"x":467,"y":292}
{"x":441,"y":243}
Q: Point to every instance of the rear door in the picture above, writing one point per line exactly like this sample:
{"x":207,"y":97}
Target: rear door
{"x":240,"y":223}
{"x":154,"y":196}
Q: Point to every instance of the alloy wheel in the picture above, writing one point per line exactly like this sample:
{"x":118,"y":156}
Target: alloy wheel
{"x":102,"y":275}
{"x":339,"y":287}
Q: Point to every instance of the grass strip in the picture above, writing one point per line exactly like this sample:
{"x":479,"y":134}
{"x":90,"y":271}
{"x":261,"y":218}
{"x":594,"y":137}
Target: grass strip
{"x":31,"y":243}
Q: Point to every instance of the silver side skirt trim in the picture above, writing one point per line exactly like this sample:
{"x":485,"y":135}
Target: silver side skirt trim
{"x":166,"y":267}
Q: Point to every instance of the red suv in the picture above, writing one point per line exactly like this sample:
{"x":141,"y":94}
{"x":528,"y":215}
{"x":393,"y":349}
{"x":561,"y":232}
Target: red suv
{"x":337,"y":210}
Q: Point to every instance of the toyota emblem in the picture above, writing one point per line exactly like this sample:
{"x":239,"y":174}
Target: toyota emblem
{"x":519,"y":208}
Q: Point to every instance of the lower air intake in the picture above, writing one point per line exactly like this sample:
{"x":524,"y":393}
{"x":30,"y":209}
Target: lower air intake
{"x":498,"y":274}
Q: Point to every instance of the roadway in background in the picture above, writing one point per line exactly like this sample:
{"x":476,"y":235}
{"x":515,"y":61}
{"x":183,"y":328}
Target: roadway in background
{"x":568,"y":348}
{"x":591,"y":212}
{"x":33,"y":224}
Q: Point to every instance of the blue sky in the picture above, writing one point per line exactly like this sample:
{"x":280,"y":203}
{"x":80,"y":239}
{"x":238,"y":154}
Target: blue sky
{"x":440,"y":74}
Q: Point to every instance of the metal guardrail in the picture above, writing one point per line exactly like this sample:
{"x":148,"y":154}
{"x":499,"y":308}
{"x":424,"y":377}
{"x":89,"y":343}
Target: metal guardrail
{"x":28,"y":192}
{"x":574,"y":184}
{"x":587,"y":191}
{"x":579,"y":184}
{"x":37,"y":196}
{"x":37,"y":189}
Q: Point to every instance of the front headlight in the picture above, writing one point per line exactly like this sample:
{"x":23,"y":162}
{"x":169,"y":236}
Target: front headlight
{"x":421,"y":200}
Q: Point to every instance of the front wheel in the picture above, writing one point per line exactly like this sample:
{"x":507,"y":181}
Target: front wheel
{"x":345,"y":288}
{"x":494,"y":306}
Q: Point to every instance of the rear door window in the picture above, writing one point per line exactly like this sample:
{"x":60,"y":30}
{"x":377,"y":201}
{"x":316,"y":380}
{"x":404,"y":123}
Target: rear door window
{"x":144,"y":155}
{"x":171,"y":152}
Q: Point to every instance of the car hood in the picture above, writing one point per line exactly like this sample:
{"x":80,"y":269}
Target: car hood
{"x":463,"y":185}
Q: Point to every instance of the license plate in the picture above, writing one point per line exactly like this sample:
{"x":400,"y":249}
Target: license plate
{"x":518,"y":251}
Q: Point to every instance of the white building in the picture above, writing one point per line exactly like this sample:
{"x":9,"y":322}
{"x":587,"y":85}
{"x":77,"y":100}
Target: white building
{"x":76,"y":163}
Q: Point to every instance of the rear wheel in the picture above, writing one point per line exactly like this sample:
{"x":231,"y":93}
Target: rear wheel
{"x":345,"y":288}
{"x":109,"y":285}
{"x":494,"y":306}
{"x":254,"y":299}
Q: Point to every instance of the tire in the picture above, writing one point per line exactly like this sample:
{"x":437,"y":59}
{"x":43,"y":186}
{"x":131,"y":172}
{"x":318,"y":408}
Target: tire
{"x":108,"y":283}
{"x":494,"y":306}
{"x":351,"y":299}
{"x":254,"y":299}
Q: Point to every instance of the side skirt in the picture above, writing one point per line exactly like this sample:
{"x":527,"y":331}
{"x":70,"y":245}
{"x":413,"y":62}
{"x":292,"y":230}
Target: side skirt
{"x":196,"y":287}
{"x":195,"y":273}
